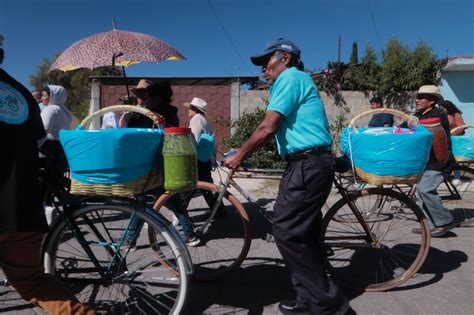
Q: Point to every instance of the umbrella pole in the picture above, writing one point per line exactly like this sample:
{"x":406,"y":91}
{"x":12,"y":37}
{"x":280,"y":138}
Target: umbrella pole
{"x":126,"y":84}
{"x":115,"y":56}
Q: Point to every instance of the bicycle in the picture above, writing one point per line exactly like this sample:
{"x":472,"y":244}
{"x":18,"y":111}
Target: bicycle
{"x":366,"y":234}
{"x":86,"y":247}
{"x":460,"y":180}
{"x":458,"y":184}
{"x":224,"y":242}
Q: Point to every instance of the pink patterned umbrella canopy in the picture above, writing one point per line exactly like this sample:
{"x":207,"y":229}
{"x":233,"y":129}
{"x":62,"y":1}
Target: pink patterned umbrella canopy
{"x":128,"y":48}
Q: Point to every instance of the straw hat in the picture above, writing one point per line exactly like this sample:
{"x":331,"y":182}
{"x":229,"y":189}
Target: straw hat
{"x":431,"y":90}
{"x":197,"y":103}
{"x":143,"y":84}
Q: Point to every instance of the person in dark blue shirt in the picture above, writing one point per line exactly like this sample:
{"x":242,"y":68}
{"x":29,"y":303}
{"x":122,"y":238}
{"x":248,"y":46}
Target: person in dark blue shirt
{"x":380,"y":119}
{"x":22,"y":216}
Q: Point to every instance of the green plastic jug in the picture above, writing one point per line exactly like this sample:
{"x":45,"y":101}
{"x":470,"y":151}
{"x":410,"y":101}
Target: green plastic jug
{"x":179,"y":159}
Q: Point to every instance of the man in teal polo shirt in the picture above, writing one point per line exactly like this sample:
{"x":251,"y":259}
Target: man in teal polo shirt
{"x":296,"y":117}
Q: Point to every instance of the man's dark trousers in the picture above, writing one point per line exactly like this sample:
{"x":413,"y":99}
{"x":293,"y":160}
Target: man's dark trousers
{"x":297,"y":217}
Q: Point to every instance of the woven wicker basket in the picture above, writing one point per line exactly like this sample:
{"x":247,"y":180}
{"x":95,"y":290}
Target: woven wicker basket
{"x":374,"y":179}
{"x":458,"y":157}
{"x":409,"y":118}
{"x":152,"y":180}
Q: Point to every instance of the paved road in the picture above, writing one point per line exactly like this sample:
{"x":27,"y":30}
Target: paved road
{"x":444,"y":285}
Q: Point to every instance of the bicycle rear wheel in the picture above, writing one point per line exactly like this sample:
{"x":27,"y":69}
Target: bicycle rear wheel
{"x":225,"y":241}
{"x":145,"y":279}
{"x":385,"y":257}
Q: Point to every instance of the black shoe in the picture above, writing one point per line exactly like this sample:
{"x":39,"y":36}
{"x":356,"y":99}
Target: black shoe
{"x":437,"y":231}
{"x":342,"y":308}
{"x":291,"y":307}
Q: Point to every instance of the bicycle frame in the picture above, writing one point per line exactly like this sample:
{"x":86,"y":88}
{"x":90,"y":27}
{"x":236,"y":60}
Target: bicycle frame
{"x":230,"y":182}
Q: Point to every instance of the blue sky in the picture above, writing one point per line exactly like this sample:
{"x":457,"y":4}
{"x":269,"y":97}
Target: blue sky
{"x":221,"y":46}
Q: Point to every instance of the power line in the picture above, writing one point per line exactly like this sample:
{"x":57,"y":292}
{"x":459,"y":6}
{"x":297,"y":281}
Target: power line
{"x":227,"y":35}
{"x":375,"y":26}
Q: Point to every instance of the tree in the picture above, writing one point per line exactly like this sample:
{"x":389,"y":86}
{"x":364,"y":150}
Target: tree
{"x":395,"y":68}
{"x":424,"y":66}
{"x":364,"y":76}
{"x":354,"y":54}
{"x":402,"y":70}
{"x":76,"y":83}
{"x":264,"y":157}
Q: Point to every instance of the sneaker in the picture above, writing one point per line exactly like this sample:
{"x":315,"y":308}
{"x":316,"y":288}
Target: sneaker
{"x":193,"y":241}
{"x":174,"y":219}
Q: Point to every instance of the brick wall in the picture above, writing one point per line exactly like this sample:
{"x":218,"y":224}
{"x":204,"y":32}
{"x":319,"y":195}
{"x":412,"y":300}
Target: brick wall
{"x":217,"y":97}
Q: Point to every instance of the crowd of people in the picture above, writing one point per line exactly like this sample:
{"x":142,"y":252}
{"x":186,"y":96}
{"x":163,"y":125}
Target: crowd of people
{"x":295,"y":117}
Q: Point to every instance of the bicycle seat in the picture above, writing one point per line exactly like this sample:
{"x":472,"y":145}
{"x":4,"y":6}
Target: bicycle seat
{"x":343,"y":164}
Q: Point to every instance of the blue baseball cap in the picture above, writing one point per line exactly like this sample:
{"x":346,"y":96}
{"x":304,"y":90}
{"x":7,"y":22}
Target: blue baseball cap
{"x":280,"y":44}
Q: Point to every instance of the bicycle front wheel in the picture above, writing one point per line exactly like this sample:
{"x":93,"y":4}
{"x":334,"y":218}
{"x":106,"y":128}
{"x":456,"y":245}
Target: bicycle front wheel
{"x":143,"y":279}
{"x":225,"y":240}
{"x":385,"y":253}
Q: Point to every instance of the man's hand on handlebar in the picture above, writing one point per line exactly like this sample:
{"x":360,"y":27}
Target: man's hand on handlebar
{"x":233,"y":159}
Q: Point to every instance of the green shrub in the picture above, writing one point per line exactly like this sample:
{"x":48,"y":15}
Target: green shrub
{"x":264,"y":157}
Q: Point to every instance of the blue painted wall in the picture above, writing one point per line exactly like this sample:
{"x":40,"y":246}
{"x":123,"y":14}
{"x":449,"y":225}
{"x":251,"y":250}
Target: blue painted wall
{"x":458,"y":87}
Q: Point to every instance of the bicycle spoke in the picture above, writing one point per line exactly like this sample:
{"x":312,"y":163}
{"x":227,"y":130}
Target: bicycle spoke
{"x":224,"y":240}
{"x":144,"y":278}
{"x":385,"y":258}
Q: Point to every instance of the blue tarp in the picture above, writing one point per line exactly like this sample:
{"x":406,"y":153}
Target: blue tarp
{"x":388,"y":154}
{"x":463,"y":146}
{"x":111,"y":156}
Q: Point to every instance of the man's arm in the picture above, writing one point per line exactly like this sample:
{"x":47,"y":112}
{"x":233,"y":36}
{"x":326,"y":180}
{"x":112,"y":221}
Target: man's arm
{"x":262,"y":134}
{"x":459,"y":121}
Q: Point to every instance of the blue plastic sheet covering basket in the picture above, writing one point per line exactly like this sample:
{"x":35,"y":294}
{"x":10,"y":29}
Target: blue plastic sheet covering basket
{"x":387,"y":158}
{"x":463,"y":148}
{"x":117,"y":162}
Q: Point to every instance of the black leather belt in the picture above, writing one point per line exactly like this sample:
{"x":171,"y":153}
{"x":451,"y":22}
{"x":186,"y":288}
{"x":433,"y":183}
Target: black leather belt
{"x":301,"y":155}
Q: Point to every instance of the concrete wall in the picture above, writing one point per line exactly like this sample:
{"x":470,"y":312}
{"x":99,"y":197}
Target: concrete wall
{"x":357,"y":102}
{"x":458,"y":87}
